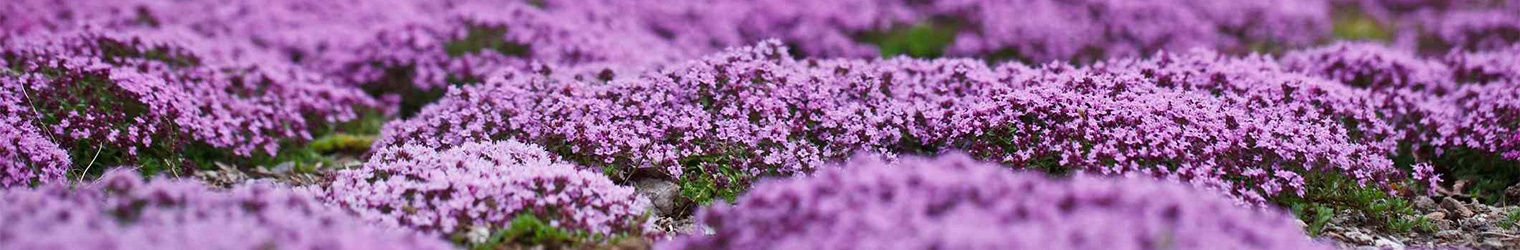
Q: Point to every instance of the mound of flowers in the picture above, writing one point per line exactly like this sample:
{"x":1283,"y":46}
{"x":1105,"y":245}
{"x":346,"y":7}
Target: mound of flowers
{"x":123,"y":211}
{"x":336,"y":33}
{"x":954,"y":202}
{"x":484,"y":186}
{"x":154,"y":98}
{"x":1200,"y":117}
{"x":27,"y":155}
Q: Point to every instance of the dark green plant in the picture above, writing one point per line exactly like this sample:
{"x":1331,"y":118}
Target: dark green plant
{"x":482,"y":38}
{"x":1316,"y":216}
{"x":1351,"y":23}
{"x":1511,"y":219}
{"x":1327,"y":194}
{"x":926,"y":40}
{"x":342,"y":143}
{"x":529,"y":230}
{"x":1487,"y":173}
{"x":709,"y":178}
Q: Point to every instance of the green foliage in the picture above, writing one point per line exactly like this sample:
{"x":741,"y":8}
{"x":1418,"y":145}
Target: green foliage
{"x":529,"y":230}
{"x":533,"y":230}
{"x":925,"y":40}
{"x":484,"y":38}
{"x":1315,"y":215}
{"x":342,"y":143}
{"x":1352,"y":23}
{"x":718,"y":179}
{"x":1327,"y":194}
{"x":1488,"y":173}
{"x":347,"y":138}
{"x":1511,"y":219}
{"x":368,"y":124}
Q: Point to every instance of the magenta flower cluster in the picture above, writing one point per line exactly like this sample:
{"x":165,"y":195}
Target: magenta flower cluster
{"x":1198,"y":117}
{"x":470,"y":41}
{"x":954,"y":202}
{"x":370,"y":41}
{"x":485,"y":185}
{"x":1096,"y":29}
{"x":27,"y":154}
{"x":1044,"y":30}
{"x":1466,"y":99}
{"x":1436,"y":26}
{"x":1473,"y":28}
{"x":164,"y":89}
{"x":122,"y":211}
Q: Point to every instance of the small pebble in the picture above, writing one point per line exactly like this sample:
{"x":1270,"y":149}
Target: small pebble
{"x":1358,"y":237}
{"x":1388,"y":244}
{"x":663,"y":195}
{"x":1425,"y":203}
{"x":1456,"y":207}
{"x":1434,"y":216}
{"x":1513,"y":192}
{"x":1492,"y":244}
{"x":1449,"y":234}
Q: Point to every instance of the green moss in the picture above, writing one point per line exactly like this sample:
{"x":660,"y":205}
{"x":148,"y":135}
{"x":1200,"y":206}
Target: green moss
{"x":925,"y":40}
{"x":1354,"y":24}
{"x":342,"y":143}
{"x":482,"y":38}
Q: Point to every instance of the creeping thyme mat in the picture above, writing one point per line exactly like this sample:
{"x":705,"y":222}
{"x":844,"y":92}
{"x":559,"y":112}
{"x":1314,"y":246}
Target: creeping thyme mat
{"x":759,"y":124}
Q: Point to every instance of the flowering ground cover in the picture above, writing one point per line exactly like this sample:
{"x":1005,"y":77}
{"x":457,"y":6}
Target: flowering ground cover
{"x":759,"y":124}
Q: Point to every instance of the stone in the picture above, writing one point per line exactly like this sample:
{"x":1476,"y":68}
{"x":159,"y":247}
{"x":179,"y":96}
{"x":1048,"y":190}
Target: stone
{"x":284,"y":168}
{"x":632,"y":243}
{"x":664,"y":195}
{"x":1358,"y":238}
{"x":1513,"y":192}
{"x":1388,"y":244}
{"x":1445,"y":224}
{"x":1474,"y":223}
{"x":1456,"y":207}
{"x":1425,"y":203}
{"x":1435,"y":216}
{"x":478,"y":234}
{"x":1449,"y":234}
{"x":1332,"y":235}
{"x":1492,"y":244}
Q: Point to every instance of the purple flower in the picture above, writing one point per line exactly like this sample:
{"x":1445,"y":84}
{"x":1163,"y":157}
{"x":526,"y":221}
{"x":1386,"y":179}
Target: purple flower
{"x":953,"y":202}
{"x":1198,"y":117}
{"x":160,"y":90}
{"x":485,"y":185}
{"x":122,"y":211}
{"x":27,"y":154}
